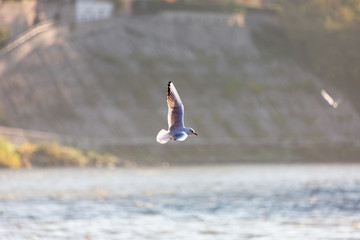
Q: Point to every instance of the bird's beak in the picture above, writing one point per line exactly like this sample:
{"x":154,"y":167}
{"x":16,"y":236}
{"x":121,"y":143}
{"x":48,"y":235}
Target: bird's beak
{"x":195,"y":133}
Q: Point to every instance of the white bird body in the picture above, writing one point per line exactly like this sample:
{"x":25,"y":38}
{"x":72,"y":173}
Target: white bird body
{"x":176,"y":131}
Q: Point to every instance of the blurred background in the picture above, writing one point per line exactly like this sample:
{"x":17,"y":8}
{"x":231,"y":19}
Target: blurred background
{"x":93,"y":75}
{"x":271,"y":82}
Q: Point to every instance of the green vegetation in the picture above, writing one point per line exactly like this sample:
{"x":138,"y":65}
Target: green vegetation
{"x":4,"y":35}
{"x":8,"y":155}
{"x":51,"y":155}
{"x":54,"y":155}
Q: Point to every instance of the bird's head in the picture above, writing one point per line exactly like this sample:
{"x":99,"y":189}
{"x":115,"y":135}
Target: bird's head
{"x":190,"y":131}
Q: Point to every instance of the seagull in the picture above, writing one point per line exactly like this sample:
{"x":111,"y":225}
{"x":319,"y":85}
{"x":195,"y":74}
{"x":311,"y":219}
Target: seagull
{"x":329,"y":99}
{"x":177,"y":131}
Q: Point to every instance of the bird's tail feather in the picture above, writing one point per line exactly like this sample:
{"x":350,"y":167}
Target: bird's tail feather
{"x":163,"y":136}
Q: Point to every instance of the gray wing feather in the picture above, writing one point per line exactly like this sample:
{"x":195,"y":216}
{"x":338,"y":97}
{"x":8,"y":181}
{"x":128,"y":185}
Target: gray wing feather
{"x":176,"y":108}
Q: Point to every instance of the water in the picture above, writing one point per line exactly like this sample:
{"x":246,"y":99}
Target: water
{"x":217,"y":202}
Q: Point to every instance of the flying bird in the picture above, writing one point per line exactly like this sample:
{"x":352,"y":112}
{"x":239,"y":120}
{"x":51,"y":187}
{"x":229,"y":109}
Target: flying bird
{"x":177,"y":131}
{"x":329,"y":99}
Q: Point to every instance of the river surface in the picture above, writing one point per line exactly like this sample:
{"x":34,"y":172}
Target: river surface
{"x":213,"y":202}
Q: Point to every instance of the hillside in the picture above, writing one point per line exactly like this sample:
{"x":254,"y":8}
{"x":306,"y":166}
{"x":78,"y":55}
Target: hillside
{"x":106,"y":81}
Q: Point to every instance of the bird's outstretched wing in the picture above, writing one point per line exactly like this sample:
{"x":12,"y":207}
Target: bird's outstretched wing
{"x":176,"y":108}
{"x":329,"y":99}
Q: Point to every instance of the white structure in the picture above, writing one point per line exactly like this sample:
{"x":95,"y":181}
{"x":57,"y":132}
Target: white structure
{"x":91,"y":10}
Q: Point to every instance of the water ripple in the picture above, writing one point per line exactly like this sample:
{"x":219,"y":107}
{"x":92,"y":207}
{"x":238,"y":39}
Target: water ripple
{"x":234,"y":202}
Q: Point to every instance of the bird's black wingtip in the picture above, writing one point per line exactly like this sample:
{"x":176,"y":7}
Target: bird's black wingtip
{"x":168,"y":88}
